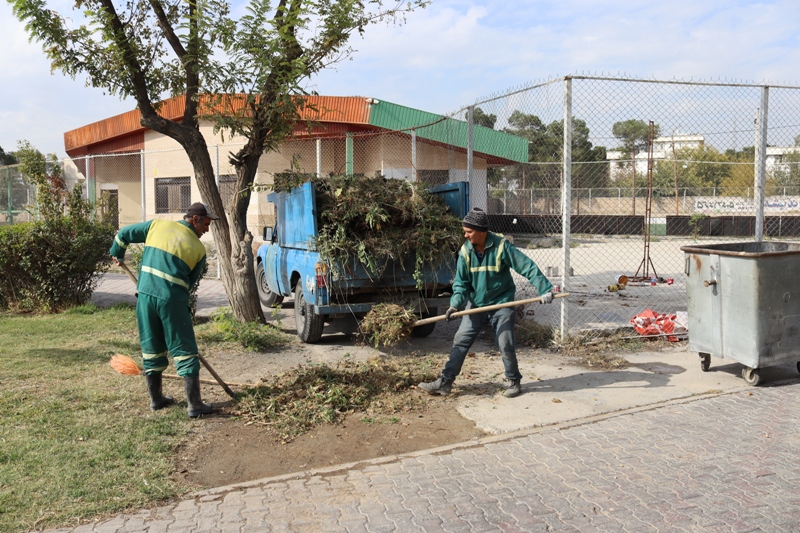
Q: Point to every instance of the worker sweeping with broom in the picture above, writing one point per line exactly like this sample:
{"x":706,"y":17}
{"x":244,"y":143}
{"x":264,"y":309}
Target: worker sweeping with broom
{"x":483,"y":278}
{"x":172,"y":262}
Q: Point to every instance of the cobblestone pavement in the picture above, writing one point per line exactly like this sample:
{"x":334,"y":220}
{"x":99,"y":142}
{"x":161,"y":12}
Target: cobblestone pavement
{"x":724,"y":463}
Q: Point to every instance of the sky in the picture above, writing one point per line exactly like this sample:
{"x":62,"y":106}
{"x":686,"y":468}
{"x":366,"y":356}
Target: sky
{"x":456,"y":52}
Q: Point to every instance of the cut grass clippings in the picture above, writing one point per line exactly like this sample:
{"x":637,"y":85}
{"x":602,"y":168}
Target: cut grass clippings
{"x":296,"y":402}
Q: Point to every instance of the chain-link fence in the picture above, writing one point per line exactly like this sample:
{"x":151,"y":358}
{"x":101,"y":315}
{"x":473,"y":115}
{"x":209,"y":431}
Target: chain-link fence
{"x":642,"y":168}
{"x":17,"y":196}
{"x":652,"y":166}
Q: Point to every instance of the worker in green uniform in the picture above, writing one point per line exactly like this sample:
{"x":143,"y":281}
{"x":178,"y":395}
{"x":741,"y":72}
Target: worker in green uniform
{"x":483,"y":277}
{"x":172,"y":262}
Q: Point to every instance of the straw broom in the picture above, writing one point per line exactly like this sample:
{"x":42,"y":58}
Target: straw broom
{"x":128,"y":367}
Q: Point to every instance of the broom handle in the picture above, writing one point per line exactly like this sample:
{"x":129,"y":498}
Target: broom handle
{"x":212,"y":382}
{"x":485,"y":309}
{"x":216,"y":376}
{"x":129,"y":273}
{"x":202,"y":359}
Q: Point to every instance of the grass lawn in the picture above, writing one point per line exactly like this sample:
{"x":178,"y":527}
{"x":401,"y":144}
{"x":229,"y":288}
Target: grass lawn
{"x":76,"y":438}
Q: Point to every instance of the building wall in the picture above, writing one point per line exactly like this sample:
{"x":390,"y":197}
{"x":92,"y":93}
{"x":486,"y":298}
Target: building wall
{"x":387,"y":154}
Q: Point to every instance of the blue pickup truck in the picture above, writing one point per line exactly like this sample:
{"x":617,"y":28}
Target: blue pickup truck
{"x":288,"y":264}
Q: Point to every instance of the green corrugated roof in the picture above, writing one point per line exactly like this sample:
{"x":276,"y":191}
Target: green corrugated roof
{"x":449,"y":131}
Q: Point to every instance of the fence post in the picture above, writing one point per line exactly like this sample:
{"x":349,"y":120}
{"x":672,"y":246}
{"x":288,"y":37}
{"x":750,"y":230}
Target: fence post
{"x":472,"y":191}
{"x":414,"y":154}
{"x":216,"y":179}
{"x":348,"y":153}
{"x":566,"y":200}
{"x":319,"y":157}
{"x":760,"y":161}
{"x":144,"y":188}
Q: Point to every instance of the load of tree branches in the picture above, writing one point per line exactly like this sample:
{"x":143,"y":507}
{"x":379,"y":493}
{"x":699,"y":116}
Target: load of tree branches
{"x":375,"y":220}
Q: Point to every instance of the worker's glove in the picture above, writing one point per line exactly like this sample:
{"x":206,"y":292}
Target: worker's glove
{"x":546,"y":298}
{"x":449,"y":312}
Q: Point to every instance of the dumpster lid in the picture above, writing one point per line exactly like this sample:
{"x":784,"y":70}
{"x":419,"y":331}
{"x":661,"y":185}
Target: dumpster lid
{"x":746,"y":249}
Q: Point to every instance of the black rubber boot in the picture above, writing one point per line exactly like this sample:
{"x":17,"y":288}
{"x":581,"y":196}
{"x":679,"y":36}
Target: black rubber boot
{"x":195,"y":406}
{"x":441,"y":386}
{"x":157,"y":398}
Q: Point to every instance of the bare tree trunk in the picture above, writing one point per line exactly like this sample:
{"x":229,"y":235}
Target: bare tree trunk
{"x":233,"y":241}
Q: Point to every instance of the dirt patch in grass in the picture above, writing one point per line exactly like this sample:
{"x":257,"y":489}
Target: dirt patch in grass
{"x":231,"y":446}
{"x":224,"y":450}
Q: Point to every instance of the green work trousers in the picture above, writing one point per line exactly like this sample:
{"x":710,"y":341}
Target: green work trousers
{"x":166,"y":327}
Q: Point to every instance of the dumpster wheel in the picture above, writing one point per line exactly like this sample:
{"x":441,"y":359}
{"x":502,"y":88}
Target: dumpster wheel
{"x":751,"y":375}
{"x":705,"y":361}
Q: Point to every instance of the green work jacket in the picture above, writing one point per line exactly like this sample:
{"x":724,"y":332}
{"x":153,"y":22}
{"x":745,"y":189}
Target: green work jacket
{"x":172,"y":261}
{"x":489,"y":281}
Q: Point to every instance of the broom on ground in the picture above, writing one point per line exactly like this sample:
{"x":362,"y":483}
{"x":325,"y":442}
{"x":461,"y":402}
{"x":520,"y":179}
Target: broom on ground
{"x":128,"y":367}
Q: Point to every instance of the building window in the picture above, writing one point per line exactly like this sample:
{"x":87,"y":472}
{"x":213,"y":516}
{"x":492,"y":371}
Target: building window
{"x":227,"y":188}
{"x":173,"y":195}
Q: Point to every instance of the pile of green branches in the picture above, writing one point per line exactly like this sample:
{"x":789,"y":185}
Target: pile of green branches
{"x":387,"y":324}
{"x":375,"y":220}
{"x":297,"y":401}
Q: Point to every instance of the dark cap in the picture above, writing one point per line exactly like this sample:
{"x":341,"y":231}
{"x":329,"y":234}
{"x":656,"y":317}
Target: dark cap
{"x":201,"y":209}
{"x":476,"y":220}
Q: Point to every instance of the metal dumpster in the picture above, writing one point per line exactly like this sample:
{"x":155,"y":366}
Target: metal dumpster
{"x":744,"y":303}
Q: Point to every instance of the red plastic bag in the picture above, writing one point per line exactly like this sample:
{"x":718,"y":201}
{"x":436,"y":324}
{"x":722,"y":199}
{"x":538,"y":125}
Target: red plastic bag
{"x":649,"y":323}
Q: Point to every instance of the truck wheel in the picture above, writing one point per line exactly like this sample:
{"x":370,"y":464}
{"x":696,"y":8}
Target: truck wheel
{"x":267,"y":297}
{"x":423,"y":331}
{"x":309,"y":324}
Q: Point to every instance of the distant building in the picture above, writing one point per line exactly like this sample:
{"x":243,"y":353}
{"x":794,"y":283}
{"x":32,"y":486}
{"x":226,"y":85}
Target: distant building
{"x":664,"y":149}
{"x":143,"y":174}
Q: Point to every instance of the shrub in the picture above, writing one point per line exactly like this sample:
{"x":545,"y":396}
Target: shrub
{"x":51,"y":265}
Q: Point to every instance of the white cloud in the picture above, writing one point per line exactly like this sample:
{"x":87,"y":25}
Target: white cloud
{"x":457,"y":51}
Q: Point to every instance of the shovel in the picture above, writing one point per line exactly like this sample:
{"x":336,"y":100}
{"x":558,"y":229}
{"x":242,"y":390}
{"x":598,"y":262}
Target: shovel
{"x":202,"y":359}
{"x":495,"y":307}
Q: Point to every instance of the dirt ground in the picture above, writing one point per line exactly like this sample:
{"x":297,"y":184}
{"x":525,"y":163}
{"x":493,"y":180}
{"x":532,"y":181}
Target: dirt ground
{"x":223,"y":450}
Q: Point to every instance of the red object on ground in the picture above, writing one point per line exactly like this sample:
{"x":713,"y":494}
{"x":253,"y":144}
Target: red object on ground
{"x":648,"y":323}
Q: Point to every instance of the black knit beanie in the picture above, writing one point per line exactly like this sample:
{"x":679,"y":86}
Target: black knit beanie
{"x":476,"y":220}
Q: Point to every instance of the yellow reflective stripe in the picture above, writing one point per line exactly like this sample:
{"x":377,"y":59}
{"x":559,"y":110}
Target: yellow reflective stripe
{"x":164,"y":275}
{"x":498,"y":260}
{"x":183,"y":358}
{"x":118,"y":241}
{"x":159,"y":369}
{"x":153,"y":355}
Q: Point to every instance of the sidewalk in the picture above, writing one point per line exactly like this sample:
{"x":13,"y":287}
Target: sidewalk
{"x":724,"y":463}
{"x":660,"y":446}
{"x":118,"y":288}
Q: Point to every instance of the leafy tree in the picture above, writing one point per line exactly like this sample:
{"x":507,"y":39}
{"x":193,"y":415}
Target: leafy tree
{"x":480,"y":118}
{"x":634,"y":134}
{"x":7,"y":158}
{"x":545,"y":149}
{"x":741,"y":175}
{"x":702,"y":167}
{"x":786,"y":174}
{"x":242,"y":74}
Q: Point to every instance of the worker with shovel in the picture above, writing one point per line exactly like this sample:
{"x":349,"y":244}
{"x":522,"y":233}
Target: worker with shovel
{"x":483,"y":278}
{"x":172,"y":262}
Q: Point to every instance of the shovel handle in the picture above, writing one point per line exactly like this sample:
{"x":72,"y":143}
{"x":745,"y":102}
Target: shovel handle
{"x":495,"y":307}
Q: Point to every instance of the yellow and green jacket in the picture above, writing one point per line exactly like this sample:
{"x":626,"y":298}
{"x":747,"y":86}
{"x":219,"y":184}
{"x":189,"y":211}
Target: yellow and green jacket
{"x":172,"y":260}
{"x":489,"y":281}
